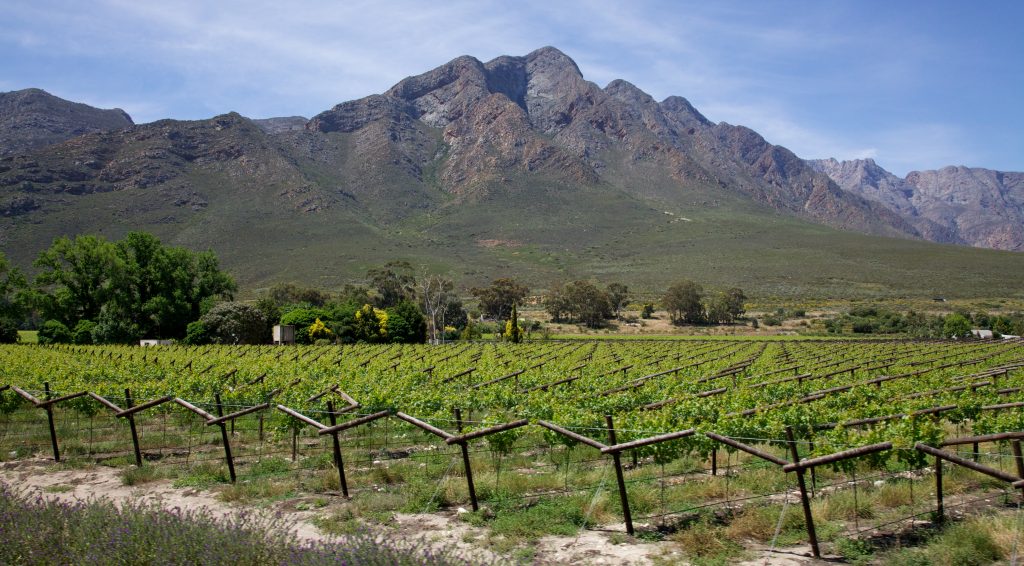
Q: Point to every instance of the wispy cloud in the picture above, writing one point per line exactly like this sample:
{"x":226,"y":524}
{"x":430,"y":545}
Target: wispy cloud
{"x":843,"y":78}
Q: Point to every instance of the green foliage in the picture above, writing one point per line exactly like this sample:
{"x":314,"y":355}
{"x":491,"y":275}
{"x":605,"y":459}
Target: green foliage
{"x":8,"y":331}
{"x":394,"y":283}
{"x":302,"y":319}
{"x":291,"y":294}
{"x":579,"y":301}
{"x":683,"y":301}
{"x":471,"y":332}
{"x":54,"y":332}
{"x":370,"y":324}
{"x":197,"y":333}
{"x":618,"y":296}
{"x":131,"y":288}
{"x":497,"y":300}
{"x":12,"y":295}
{"x":235,"y":323}
{"x":647,"y":310}
{"x":513,"y":331}
{"x":956,"y":326}
{"x":406,"y":324}
{"x":82,"y":334}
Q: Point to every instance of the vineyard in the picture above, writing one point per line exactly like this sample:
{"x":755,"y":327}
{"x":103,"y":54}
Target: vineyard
{"x":779,"y":442}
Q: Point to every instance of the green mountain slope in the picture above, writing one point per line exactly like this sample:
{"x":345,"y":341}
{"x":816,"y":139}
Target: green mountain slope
{"x":517,"y":167}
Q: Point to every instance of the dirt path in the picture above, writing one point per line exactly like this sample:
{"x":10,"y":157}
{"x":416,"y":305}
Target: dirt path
{"x":443,"y":529}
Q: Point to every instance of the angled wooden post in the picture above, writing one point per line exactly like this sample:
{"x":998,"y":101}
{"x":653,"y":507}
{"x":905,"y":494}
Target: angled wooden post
{"x":805,"y":502}
{"x":465,"y":462}
{"x":131,"y":424}
{"x":617,"y":461}
{"x":48,"y":407}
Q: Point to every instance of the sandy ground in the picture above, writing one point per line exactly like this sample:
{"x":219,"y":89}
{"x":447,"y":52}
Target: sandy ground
{"x":443,"y":529}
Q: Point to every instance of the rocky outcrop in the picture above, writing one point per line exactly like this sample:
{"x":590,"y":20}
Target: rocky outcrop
{"x":281,"y":125}
{"x":469,"y":128}
{"x":34,"y":118}
{"x":961,"y":205}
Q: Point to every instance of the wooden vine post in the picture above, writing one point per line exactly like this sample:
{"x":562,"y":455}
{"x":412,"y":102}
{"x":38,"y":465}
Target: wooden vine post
{"x":463,"y":440}
{"x":616,"y":450}
{"x":465,"y":462}
{"x":131,"y":424}
{"x":224,"y":437}
{"x":48,"y":407}
{"x":619,"y":478}
{"x":804,"y":500}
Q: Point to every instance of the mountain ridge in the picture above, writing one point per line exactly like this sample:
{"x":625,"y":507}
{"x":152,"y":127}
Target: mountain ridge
{"x":517,"y":163}
{"x":955,"y":204}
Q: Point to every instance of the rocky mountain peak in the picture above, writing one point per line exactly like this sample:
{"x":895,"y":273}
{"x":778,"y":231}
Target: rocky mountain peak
{"x":628,"y":92}
{"x":33,"y":118}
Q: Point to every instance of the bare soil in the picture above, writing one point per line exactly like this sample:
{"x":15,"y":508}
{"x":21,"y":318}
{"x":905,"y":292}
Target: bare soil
{"x":607,"y":545}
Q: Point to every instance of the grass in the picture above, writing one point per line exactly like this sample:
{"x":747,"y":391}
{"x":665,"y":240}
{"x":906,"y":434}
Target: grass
{"x":550,"y":231}
{"x":28,"y":336}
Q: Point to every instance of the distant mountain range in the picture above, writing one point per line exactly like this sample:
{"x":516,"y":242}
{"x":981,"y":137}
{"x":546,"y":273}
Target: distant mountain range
{"x":517,"y":164}
{"x":959,"y":205}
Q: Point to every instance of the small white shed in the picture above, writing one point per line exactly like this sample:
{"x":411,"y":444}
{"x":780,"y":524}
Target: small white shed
{"x":284,"y":334}
{"x":154,"y":342}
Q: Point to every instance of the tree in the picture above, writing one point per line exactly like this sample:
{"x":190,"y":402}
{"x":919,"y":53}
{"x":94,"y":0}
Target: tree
{"x":235,"y":323}
{"x":131,"y":288}
{"x":302,"y":319}
{"x":406,"y":324}
{"x":54,"y":332}
{"x":290,"y":294}
{"x":956,"y":326}
{"x":618,"y":296}
{"x":718,"y":310}
{"x":394,"y":282}
{"x":437,"y":297}
{"x":370,"y":324}
{"x":727,"y":307}
{"x":12,"y":311}
{"x":497,"y":300}
{"x":579,"y":301}
{"x":77,"y":277}
{"x":683,"y":302}
{"x":513,"y":332}
{"x":590,"y":305}
{"x":735,"y":302}
{"x":557,"y":304}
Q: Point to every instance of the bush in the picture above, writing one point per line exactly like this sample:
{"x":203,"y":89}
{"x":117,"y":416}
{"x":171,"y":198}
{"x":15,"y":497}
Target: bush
{"x":197,"y":334}
{"x":236,"y":323}
{"x":41,"y":531}
{"x":8,"y":331}
{"x":772,"y":320}
{"x":82,"y":334}
{"x":54,"y":332}
{"x":302,"y":319}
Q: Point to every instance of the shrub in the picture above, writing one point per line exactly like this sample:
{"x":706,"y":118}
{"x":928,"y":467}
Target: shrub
{"x":235,"y":323}
{"x":83,"y":332}
{"x":54,"y":332}
{"x":8,"y":331}
{"x":197,"y":334}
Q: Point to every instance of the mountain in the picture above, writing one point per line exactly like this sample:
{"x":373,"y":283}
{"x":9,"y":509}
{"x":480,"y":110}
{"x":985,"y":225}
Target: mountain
{"x":517,"y":166}
{"x":34,"y":118}
{"x":281,"y":125}
{"x":961,"y":205}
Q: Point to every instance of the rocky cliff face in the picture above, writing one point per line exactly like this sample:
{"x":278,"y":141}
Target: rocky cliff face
{"x":469,"y":131}
{"x":33,"y":118}
{"x":537,"y":115}
{"x":962,"y":205}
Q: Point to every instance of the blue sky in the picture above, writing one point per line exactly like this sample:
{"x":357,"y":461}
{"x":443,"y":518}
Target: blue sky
{"x":914,"y":85}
